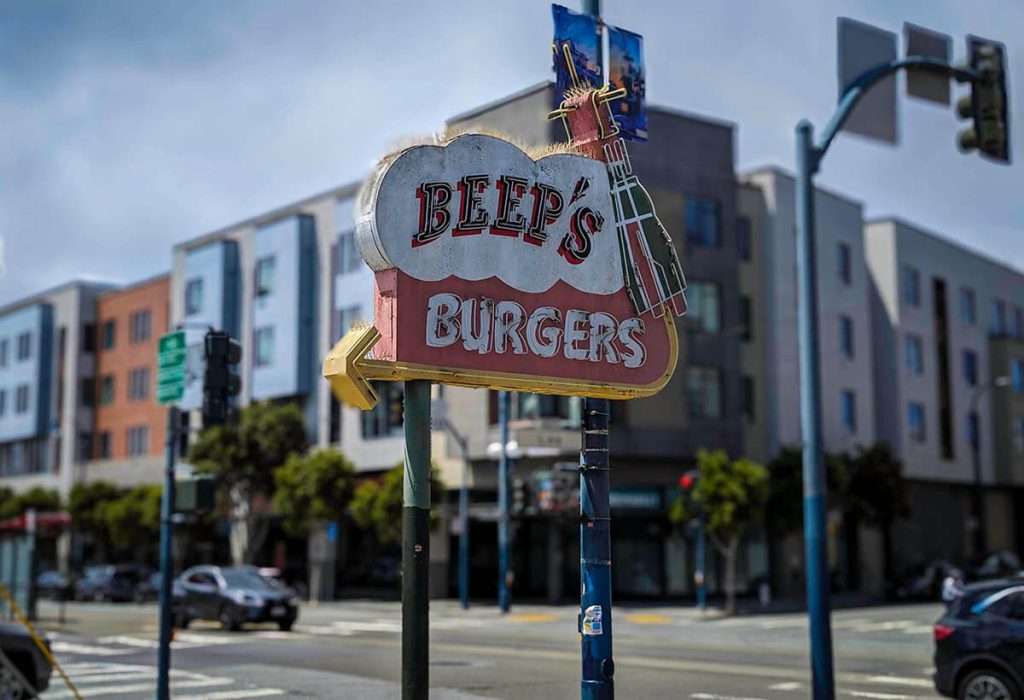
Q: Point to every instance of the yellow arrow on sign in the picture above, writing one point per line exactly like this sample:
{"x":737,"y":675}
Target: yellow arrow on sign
{"x":349,"y":371}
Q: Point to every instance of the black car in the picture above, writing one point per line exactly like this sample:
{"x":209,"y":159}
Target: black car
{"x":108,"y":582}
{"x":30,"y":664}
{"x":979,"y":643}
{"x":54,"y":585}
{"x":232,"y":596}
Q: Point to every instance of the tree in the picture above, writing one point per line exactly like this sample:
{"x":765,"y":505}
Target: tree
{"x":730,"y":495}
{"x":377,"y":505}
{"x":42,"y":499}
{"x":85,"y":505}
{"x":317,"y":487}
{"x":243,"y":458}
{"x":784,"y":511}
{"x":8,"y":503}
{"x":132,"y":520}
{"x":876,"y":494}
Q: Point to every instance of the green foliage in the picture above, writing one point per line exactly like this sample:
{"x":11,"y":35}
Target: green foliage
{"x":876,"y":493}
{"x":8,"y":502}
{"x":132,"y":519}
{"x":42,"y":499}
{"x":784,"y":510}
{"x":86,"y":502}
{"x":316,"y":487}
{"x":377,"y":505}
{"x":267,"y":434}
{"x":731,"y":494}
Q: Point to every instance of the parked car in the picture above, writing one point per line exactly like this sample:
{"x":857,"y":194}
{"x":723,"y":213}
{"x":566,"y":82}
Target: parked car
{"x":109,"y":582}
{"x":148,"y":588}
{"x":54,"y":585}
{"x":29,"y":661}
{"x":979,"y":643}
{"x":233,"y":596}
{"x":925,"y":582}
{"x":998,"y":565}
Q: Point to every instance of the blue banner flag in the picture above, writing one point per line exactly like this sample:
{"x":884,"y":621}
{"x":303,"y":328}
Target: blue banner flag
{"x":626,"y":70}
{"x":574,"y":51}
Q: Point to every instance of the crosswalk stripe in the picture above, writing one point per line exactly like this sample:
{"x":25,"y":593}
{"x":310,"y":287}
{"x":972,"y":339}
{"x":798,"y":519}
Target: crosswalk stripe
{"x":871,"y":695}
{"x":107,"y":691}
{"x":234,"y":694}
{"x":901,"y":680}
{"x":87,"y":649}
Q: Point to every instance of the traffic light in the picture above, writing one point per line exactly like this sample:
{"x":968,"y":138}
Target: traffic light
{"x":688,"y":481}
{"x":987,"y":106}
{"x":220,"y":382}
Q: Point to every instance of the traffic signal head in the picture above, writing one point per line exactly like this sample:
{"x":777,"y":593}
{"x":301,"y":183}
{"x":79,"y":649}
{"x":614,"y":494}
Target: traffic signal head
{"x":688,"y":480}
{"x":220,"y":382}
{"x":987,"y":106}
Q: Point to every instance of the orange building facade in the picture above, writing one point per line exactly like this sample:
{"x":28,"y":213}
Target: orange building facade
{"x":129,"y":423}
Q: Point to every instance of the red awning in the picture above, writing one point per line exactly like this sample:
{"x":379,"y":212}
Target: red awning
{"x":50,"y":521}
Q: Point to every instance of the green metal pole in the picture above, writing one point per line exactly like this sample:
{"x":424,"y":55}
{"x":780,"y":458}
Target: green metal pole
{"x":163,"y":687}
{"x":416,"y":542}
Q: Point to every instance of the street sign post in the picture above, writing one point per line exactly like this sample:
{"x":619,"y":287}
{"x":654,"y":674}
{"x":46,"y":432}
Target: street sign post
{"x":170,"y":375}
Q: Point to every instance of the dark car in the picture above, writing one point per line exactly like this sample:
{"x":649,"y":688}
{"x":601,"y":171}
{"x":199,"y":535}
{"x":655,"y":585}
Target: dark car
{"x":998,"y":565}
{"x":233,"y":596}
{"x":54,"y":585}
{"x":108,"y":582}
{"x":148,"y":588}
{"x":979,"y":643}
{"x":30,"y":664}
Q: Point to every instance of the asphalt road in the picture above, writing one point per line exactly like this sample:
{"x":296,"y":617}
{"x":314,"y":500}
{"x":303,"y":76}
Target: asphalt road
{"x":352,"y":650}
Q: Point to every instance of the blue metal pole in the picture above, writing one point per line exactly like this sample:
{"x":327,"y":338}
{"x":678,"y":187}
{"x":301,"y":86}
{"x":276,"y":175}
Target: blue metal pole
{"x":702,"y":569}
{"x":163,"y":689}
{"x":596,"y":555}
{"x":504,"y":399}
{"x":815,"y":485}
{"x":464,"y":535}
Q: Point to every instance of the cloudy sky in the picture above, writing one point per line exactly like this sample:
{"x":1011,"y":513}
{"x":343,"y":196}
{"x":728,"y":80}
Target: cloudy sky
{"x":129,"y":125}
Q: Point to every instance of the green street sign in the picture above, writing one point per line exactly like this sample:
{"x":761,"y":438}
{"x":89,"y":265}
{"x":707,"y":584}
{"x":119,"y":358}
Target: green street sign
{"x":170,"y":359}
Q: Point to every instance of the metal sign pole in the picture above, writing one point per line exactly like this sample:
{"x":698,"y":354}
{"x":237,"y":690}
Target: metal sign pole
{"x":504,"y":602}
{"x":166,"y":565}
{"x":416,"y":542}
{"x":595,"y":555}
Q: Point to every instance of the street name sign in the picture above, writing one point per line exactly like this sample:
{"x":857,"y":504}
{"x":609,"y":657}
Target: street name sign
{"x":170,"y":376}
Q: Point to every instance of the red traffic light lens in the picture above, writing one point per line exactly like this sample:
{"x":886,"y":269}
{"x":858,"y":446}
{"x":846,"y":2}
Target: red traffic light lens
{"x":686,"y":481}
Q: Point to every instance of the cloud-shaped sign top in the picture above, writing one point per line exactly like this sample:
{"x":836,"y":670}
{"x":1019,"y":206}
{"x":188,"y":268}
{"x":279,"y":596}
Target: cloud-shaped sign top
{"x":480,"y":207}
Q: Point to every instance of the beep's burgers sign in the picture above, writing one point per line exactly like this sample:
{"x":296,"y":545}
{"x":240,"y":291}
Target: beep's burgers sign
{"x":493,"y":269}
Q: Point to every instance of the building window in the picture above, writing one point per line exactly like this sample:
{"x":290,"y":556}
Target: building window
{"x":264,"y":344}
{"x":3,"y":401}
{"x":386,"y":417}
{"x":347,"y":318}
{"x":846,"y":337}
{"x":746,"y":319}
{"x":24,"y":346}
{"x":3,"y":352}
{"x":140,"y":326}
{"x":265,"y":269}
{"x":704,"y":391}
{"x":88,"y":394}
{"x":348,"y":256}
{"x":748,"y":397}
{"x":743,"y":237}
{"x":968,"y":308}
{"x":843,"y":266}
{"x":704,"y":306}
{"x":138,"y":440}
{"x":1017,"y":322}
{"x":702,"y":222}
{"x":914,"y":350}
{"x":138,"y":384}
{"x":1017,"y":375}
{"x":103,"y":445}
{"x":1018,"y":436}
{"x":109,"y":334}
{"x":21,"y":399}
{"x":970,"y":360}
{"x":107,"y":390}
{"x":998,"y":322}
{"x":535,"y":406}
{"x":849,"y":406}
{"x":193,"y":296}
{"x":910,"y":283}
{"x":915,"y":421}
{"x":972,"y":429}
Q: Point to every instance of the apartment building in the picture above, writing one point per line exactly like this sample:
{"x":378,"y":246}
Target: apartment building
{"x":948,"y":323}
{"x":129,"y":426}
{"x":47,"y":370}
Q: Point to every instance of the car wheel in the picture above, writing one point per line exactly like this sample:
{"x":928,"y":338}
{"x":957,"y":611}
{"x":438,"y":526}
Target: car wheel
{"x":286,"y":625}
{"x":987,"y":684}
{"x":227,"y":620}
{"x":11,"y":687}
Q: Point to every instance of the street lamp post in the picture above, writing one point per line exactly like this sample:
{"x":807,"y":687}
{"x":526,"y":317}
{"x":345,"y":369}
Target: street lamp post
{"x":978,"y":501}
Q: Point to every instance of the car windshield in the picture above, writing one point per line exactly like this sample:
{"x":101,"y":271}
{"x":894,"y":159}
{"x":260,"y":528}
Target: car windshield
{"x":240,"y":578}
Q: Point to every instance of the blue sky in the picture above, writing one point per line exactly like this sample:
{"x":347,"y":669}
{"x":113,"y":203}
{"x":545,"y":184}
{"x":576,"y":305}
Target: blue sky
{"x":129,"y":125}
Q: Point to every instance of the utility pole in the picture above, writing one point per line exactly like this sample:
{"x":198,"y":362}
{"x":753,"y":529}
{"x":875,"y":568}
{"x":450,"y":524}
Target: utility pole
{"x":808,"y":157}
{"x":163,"y":690}
{"x":504,"y":595}
{"x":416,"y":542}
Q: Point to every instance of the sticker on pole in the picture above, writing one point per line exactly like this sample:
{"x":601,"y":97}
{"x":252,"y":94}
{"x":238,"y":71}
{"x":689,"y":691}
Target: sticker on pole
{"x":495,"y":268}
{"x":592,"y":625}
